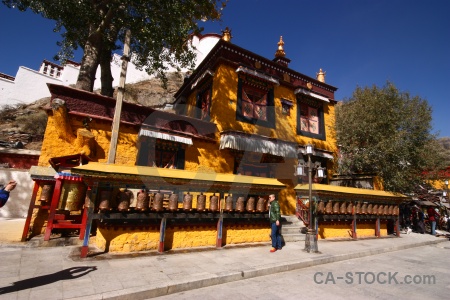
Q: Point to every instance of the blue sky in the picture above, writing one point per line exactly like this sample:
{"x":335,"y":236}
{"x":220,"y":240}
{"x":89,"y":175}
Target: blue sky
{"x":357,"y":42}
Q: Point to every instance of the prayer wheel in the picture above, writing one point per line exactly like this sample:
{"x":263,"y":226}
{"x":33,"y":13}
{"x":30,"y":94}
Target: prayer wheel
{"x":173,"y":202}
{"x":321,"y":207}
{"x":201,"y":202}
{"x":261,"y":204}
{"x":105,"y":200}
{"x":158,"y":201}
{"x":369,"y":208}
{"x":329,"y":207}
{"x":87,"y":198}
{"x":358,"y":208}
{"x":240,"y":204}
{"x":336,"y":208}
{"x":46,"y":193}
{"x":380,"y":210}
{"x":350,"y":208}
{"x":395,"y":210}
{"x":250,"y":204}
{"x":187,"y":202}
{"x":214,"y":203}
{"x":376,"y":210}
{"x":142,"y":200}
{"x":391,"y":210}
{"x":364,"y":209}
{"x":228,"y":203}
{"x":123,"y":199}
{"x":343,"y":208}
{"x":72,"y":196}
{"x":386,"y":210}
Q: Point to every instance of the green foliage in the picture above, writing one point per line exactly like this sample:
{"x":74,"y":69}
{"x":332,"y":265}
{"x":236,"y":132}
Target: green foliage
{"x":387,"y":132}
{"x":160,"y":30}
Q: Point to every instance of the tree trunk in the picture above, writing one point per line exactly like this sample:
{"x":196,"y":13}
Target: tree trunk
{"x":90,"y":62}
{"x":106,"y":75}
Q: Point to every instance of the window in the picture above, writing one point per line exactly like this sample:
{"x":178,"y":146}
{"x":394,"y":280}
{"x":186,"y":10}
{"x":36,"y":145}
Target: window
{"x":161,"y":154}
{"x":255,"y":102}
{"x":310,"y":120}
{"x":204,"y":103}
{"x":286,"y":106}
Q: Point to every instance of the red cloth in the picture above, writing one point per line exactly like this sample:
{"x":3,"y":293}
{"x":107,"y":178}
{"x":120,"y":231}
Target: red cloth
{"x":431,"y":214}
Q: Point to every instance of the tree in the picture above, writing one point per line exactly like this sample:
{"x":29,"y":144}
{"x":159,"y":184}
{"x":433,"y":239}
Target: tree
{"x":386,"y":132}
{"x":161,"y":30}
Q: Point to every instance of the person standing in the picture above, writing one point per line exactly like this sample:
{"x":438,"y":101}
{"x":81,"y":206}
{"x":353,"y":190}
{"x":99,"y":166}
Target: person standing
{"x":275,"y":225}
{"x":432,"y":219}
{"x":4,"y":192}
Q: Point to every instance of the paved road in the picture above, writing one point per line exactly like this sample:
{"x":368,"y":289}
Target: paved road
{"x":382,"y":276}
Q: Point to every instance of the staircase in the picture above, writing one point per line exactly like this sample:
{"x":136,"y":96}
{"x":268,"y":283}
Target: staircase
{"x":291,"y":227}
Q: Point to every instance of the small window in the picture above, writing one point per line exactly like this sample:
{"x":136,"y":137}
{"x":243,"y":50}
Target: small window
{"x":310,"y":120}
{"x":204,"y":103}
{"x":286,"y":106}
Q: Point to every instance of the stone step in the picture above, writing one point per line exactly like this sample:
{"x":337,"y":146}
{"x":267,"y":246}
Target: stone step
{"x":293,"y":237}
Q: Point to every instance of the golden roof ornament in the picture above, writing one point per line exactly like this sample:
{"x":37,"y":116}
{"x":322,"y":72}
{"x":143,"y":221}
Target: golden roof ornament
{"x":280,"y":51}
{"x":321,"y":75}
{"x":226,"y":34}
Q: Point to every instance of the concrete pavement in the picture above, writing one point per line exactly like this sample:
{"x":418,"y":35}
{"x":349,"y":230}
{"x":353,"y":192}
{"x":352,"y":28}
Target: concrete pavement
{"x":58,"y":273}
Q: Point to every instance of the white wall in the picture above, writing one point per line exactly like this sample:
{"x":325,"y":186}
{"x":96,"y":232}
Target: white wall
{"x":30,"y":85}
{"x":19,"y":199}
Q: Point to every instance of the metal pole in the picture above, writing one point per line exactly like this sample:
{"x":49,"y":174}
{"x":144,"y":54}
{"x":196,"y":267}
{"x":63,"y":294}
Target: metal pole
{"x":311,"y":234}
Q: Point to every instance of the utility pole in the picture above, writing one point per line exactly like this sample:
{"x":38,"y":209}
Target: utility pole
{"x":120,"y":92}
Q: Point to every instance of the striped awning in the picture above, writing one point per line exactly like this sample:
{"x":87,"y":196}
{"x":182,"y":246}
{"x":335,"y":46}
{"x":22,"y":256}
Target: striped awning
{"x":257,"y":74}
{"x":318,"y":152}
{"x":256,"y":143}
{"x":311,"y":94}
{"x":165,"y":136}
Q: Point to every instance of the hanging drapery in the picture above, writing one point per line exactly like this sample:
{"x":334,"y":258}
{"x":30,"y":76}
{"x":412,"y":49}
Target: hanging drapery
{"x":165,"y":136}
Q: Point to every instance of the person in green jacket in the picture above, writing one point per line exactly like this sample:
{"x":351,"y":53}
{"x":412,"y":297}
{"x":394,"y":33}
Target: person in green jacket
{"x":275,"y":225}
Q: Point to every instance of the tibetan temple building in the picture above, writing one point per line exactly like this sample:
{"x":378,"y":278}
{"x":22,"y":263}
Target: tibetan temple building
{"x":202,"y":176}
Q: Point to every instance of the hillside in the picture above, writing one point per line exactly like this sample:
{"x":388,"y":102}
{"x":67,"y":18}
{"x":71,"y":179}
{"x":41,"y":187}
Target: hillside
{"x":23,"y":126}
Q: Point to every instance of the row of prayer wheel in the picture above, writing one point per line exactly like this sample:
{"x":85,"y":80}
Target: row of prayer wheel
{"x":71,"y":198}
{"x":347,"y":207}
{"x":154,"y":201}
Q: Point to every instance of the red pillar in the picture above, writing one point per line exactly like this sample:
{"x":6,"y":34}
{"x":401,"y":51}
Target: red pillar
{"x":26,"y":228}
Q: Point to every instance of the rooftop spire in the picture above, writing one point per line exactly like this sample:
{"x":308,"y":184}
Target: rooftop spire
{"x":321,"y":75}
{"x":226,"y":34}
{"x":280,"y":52}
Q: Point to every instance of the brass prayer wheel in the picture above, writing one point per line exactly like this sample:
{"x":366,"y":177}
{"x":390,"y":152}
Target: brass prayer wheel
{"x":358,"y":208}
{"x":142,"y":200}
{"x":369,"y":208}
{"x":158,"y":201}
{"x":87,"y":198}
{"x":214,"y":203}
{"x":375,"y":210}
{"x":123,"y":199}
{"x":386,"y":210}
{"x":380,"y":209}
{"x":72,"y":196}
{"x":329,"y":207}
{"x":173,"y":202}
{"x":321,"y":207}
{"x":105,"y":198}
{"x":187,"y":202}
{"x":260,"y":205}
{"x":343,"y":208}
{"x":46,"y":193}
{"x":391,"y":210}
{"x":250,"y":204}
{"x":201,"y":202}
{"x":336,"y":208}
{"x":395,"y":210}
{"x":350,"y":208}
{"x":240,"y":204}
{"x":228,"y":203}
{"x":364,"y":209}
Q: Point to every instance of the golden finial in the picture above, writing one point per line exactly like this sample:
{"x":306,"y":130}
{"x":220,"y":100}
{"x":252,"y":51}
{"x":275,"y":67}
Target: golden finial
{"x":321,"y":75}
{"x":280,"y":51}
{"x":226,"y":35}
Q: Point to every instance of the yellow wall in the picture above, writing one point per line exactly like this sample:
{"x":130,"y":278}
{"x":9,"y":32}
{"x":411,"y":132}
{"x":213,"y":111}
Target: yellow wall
{"x":329,"y":230}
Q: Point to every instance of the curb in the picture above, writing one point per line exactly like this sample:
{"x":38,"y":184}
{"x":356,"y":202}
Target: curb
{"x":145,"y":293}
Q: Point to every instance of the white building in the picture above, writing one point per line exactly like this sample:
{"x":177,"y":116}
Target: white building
{"x":30,"y":85}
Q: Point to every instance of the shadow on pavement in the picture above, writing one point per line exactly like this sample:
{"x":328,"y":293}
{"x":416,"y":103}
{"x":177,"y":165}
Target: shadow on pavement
{"x":70,"y":273}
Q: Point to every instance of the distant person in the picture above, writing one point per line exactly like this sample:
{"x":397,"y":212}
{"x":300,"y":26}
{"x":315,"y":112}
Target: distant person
{"x":4,"y":192}
{"x":432,"y":216}
{"x":420,"y":222}
{"x":275,"y":226}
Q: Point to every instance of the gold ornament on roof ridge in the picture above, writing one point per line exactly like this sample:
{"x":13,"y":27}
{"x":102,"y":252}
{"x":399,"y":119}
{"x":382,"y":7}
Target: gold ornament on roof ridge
{"x":321,"y":75}
{"x":280,"y":52}
{"x":226,"y":34}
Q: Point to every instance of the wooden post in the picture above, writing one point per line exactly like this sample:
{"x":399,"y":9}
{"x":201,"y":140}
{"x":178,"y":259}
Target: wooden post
{"x":162,"y":234}
{"x":397,"y":227}
{"x":26,"y":228}
{"x":53,"y":207}
{"x":89,"y":211}
{"x":219,"y":232}
{"x":377,"y":227}
{"x":354,"y":234}
{"x":118,"y":109}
